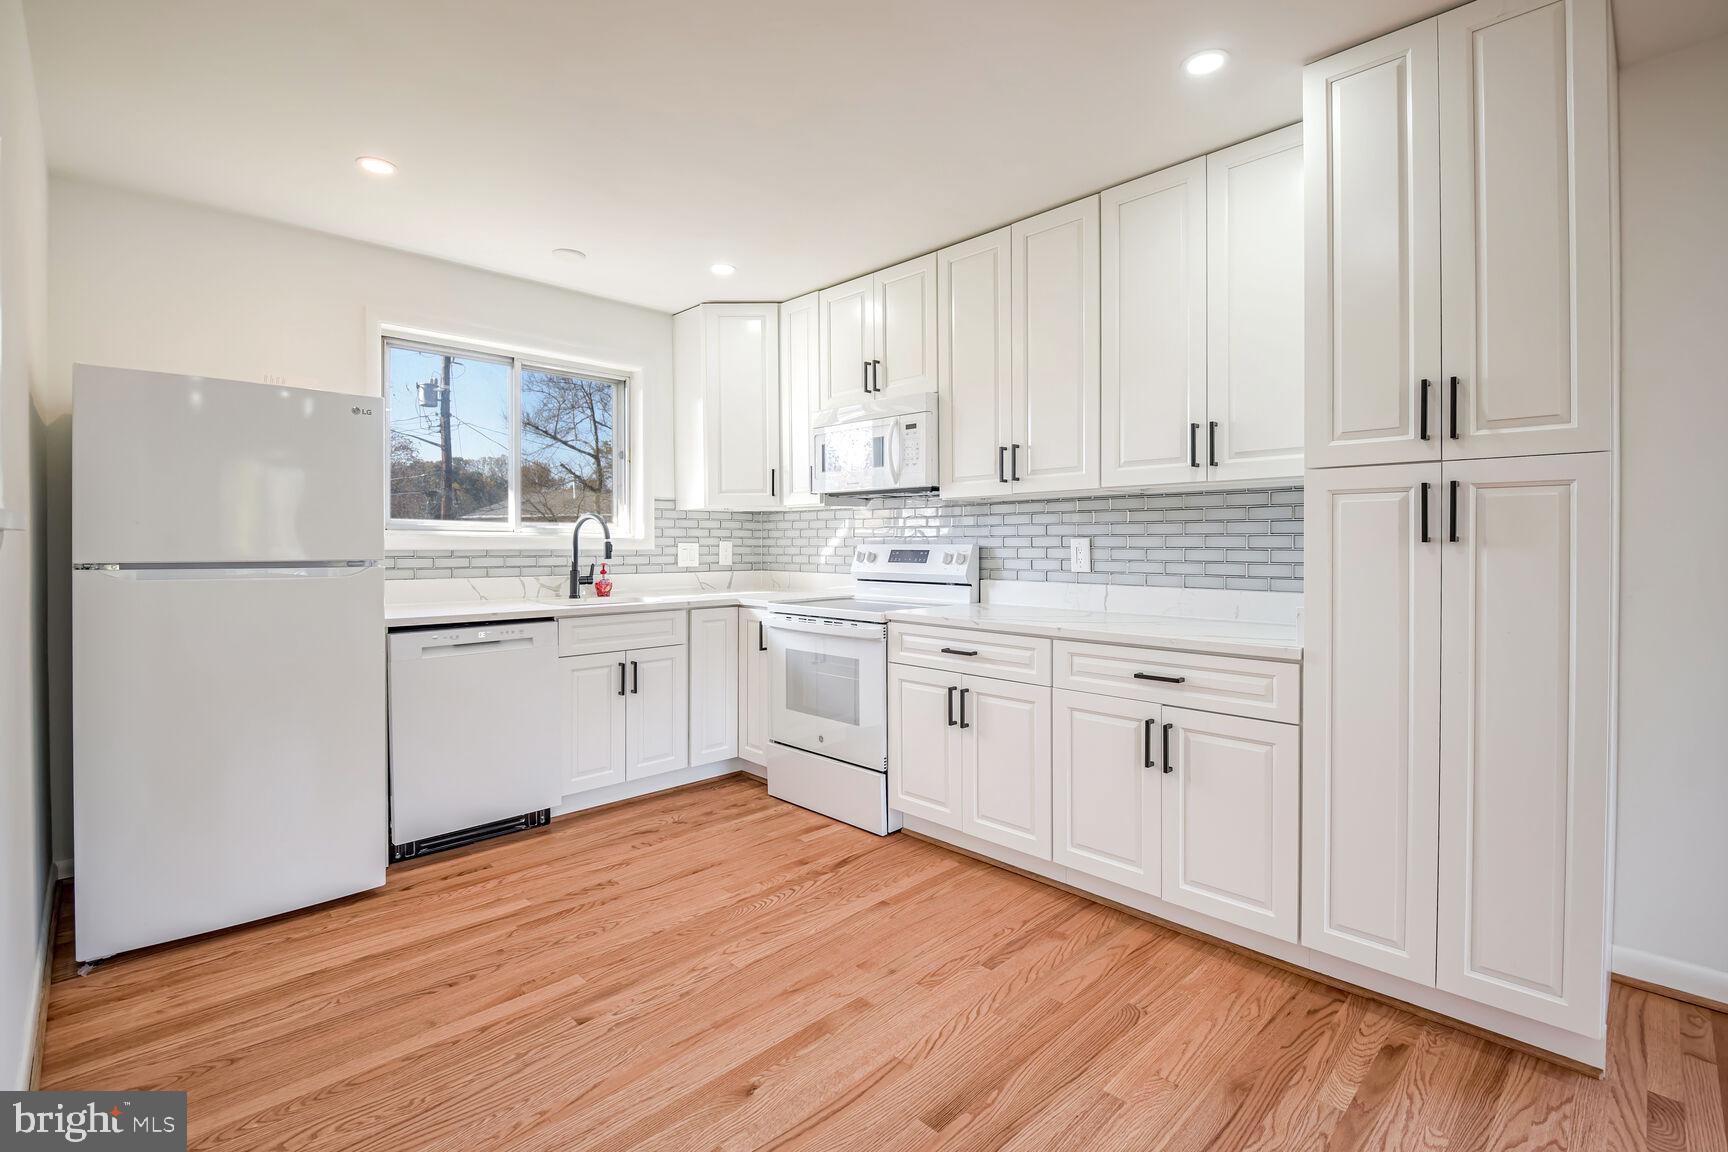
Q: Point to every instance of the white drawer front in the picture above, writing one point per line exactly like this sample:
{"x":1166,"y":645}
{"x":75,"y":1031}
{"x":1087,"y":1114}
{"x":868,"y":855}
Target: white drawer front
{"x":1024,"y":659}
{"x":582,"y":635}
{"x":1264,"y":689}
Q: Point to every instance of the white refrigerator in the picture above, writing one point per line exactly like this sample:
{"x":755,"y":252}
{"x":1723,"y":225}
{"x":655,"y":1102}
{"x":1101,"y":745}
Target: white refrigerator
{"x":228,"y":751}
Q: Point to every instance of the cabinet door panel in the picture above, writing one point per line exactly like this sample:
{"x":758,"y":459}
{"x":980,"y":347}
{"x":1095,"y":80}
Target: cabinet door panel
{"x":924,"y":738}
{"x":1153,"y":314}
{"x":905,"y":330}
{"x":848,"y":341}
{"x":1371,"y":721}
{"x":1526,"y":229}
{"x":743,"y":404}
{"x":1054,"y":441}
{"x":975,"y":354}
{"x":713,"y":686}
{"x":800,"y":370}
{"x":1006,"y":771}
{"x":1254,"y":317}
{"x":1231,"y":815}
{"x":752,"y":687}
{"x":659,"y":710}
{"x":594,"y":720}
{"x":1106,"y":798}
{"x":1523,"y":752}
{"x":1370,"y":119}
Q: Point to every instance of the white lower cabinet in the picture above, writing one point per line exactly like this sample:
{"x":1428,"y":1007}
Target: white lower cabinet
{"x":658,"y":720}
{"x":713,"y":687}
{"x":753,"y":686}
{"x":595,"y":702}
{"x":1005,"y":764}
{"x":1232,"y":819}
{"x":924,"y":753}
{"x":1107,"y":788}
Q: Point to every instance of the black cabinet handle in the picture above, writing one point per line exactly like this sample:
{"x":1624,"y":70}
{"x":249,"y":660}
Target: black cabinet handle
{"x":1193,"y":445}
{"x":1160,"y":679}
{"x":1452,"y":514}
{"x":951,"y":690}
{"x":875,"y":375}
{"x":635,"y":678}
{"x":1149,"y":762}
{"x":761,"y":639}
{"x":773,"y":482}
{"x":1168,"y":767}
{"x":963,"y":692}
{"x":620,"y":677}
{"x":1002,"y":463}
{"x":1014,"y":462}
{"x":866,"y":375}
{"x":1212,"y":443}
{"x":1424,"y":509}
{"x":1452,"y":412}
{"x":960,"y":651}
{"x":1424,"y":409}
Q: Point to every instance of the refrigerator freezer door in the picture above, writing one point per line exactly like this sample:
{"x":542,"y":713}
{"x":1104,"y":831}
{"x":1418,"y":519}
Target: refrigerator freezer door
{"x":228,"y":731}
{"x":186,"y":470}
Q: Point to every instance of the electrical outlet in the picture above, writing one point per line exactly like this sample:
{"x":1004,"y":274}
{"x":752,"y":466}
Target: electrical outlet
{"x":689,"y":555}
{"x":725,"y":553}
{"x":1080,"y":553}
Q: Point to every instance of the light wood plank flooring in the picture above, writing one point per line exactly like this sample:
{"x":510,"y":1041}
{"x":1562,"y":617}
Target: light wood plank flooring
{"x":715,"y":969}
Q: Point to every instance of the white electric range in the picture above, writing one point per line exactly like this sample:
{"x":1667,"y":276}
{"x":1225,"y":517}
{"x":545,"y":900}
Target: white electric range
{"x":828,"y":677}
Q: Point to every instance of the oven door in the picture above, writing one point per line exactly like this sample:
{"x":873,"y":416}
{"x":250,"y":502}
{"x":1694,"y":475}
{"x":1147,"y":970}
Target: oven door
{"x":828,"y":688}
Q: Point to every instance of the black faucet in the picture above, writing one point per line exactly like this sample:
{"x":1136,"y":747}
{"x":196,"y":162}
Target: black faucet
{"x":577,"y":578}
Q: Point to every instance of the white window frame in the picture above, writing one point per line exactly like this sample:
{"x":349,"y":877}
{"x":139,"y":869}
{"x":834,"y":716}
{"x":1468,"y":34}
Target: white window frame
{"x":632,"y":525}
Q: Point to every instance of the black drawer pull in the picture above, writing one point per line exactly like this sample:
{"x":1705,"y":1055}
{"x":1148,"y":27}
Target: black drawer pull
{"x":1168,"y":767}
{"x":1160,"y":679}
{"x":960,"y":651}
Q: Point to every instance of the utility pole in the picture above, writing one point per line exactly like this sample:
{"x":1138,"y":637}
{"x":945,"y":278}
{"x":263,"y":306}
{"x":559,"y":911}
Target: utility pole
{"x":447,"y":505}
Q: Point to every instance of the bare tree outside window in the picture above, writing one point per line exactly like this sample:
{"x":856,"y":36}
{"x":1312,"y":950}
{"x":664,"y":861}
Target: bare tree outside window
{"x":569,"y":435}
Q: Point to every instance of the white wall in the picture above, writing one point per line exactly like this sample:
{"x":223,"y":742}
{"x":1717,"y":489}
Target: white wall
{"x":1671,"y":899}
{"x":23,"y":752}
{"x":144,"y":282}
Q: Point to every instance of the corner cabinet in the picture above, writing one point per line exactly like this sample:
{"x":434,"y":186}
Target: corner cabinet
{"x":753,"y":705}
{"x":726,"y":406}
{"x":1476,"y":142}
{"x":877,"y":335}
{"x":713,"y":684}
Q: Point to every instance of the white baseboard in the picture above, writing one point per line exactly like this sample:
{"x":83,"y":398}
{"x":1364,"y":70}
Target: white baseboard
{"x":630,"y":789}
{"x":20,"y":1079}
{"x":1680,"y":975}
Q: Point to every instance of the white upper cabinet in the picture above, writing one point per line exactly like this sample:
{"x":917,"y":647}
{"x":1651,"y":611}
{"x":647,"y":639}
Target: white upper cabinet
{"x":1373,"y":252}
{"x":974,"y":367}
{"x":800,"y":370}
{"x":1054,"y":434}
{"x":878,"y":335}
{"x":903,"y":317}
{"x":1525,"y":711}
{"x":1254,"y":321}
{"x":1153,"y":309}
{"x":1371,"y":715}
{"x":1525,"y":227}
{"x":847,"y":342}
{"x":726,"y":384}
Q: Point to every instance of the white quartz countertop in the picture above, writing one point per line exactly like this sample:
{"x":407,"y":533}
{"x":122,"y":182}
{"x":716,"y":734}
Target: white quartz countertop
{"x":1265,"y":641}
{"x":436,"y":613}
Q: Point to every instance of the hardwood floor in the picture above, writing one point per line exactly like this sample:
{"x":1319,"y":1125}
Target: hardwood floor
{"x":715,"y":969}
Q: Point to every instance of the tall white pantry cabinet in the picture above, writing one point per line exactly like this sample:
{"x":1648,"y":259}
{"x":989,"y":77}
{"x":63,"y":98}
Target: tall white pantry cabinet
{"x":1459,"y":520}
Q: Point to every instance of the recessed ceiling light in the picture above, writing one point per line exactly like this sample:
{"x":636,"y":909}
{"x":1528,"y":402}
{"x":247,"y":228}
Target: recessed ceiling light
{"x":572,"y":255}
{"x":375,"y":165}
{"x":1205,"y":63}
{"x":721,"y":269}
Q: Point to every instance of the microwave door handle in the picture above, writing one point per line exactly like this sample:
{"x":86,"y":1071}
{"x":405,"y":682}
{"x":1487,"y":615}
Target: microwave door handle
{"x":894,"y":452}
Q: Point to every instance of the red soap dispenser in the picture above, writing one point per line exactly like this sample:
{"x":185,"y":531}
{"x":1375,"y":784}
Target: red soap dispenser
{"x":603,"y":585}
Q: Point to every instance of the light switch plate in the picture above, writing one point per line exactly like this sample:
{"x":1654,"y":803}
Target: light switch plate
{"x":725,"y":553}
{"x":1080,"y":553}
{"x":688,"y":556}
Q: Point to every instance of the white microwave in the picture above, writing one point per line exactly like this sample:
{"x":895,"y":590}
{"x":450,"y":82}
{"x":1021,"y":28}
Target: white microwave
{"x":864,"y":451}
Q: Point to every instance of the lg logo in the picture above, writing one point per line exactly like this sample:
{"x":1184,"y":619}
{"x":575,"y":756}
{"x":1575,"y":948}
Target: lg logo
{"x":359,"y":411}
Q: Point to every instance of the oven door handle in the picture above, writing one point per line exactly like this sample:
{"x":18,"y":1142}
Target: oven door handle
{"x":813,"y":626}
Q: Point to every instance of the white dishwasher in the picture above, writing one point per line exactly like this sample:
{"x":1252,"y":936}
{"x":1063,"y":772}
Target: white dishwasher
{"x":474,"y":733}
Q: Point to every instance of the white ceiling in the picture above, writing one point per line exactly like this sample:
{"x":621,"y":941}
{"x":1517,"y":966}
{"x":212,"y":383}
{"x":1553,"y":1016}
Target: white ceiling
{"x":805,"y":141}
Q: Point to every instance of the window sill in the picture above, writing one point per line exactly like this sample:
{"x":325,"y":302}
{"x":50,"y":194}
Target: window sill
{"x":408,"y":540}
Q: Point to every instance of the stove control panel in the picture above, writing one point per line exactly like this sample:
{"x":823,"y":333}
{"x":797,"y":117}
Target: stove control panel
{"x":925,"y":561}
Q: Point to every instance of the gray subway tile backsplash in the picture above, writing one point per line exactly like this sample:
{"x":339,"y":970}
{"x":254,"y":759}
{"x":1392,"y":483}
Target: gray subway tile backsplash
{"x":1248,"y":539}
